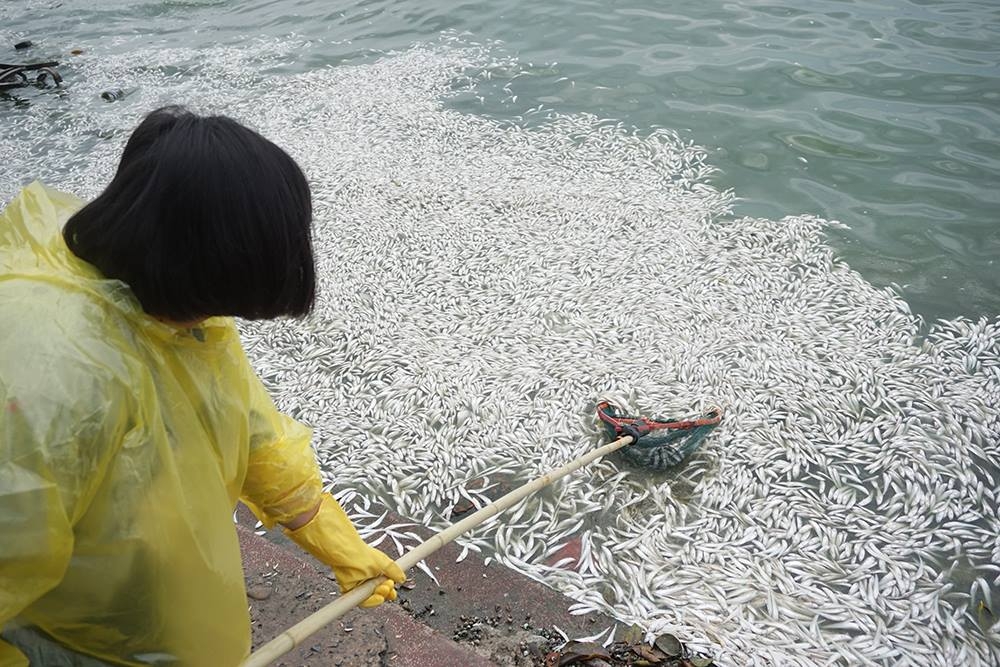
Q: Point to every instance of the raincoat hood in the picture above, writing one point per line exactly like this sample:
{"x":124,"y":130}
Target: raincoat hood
{"x":32,"y":246}
{"x":32,"y":234}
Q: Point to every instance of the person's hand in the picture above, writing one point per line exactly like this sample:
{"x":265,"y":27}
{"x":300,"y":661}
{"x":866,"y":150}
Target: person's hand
{"x":332,"y":539}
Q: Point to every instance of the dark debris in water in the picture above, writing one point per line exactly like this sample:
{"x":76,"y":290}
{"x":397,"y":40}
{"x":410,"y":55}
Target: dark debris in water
{"x":519,"y":643}
{"x":19,"y":75}
{"x":666,"y":651}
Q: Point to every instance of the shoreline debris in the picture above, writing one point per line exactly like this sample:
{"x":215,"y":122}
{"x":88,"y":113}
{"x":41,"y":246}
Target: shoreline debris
{"x":17,"y":75}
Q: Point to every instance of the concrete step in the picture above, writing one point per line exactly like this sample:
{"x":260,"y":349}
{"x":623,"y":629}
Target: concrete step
{"x":498,"y":616}
{"x":284,"y":588}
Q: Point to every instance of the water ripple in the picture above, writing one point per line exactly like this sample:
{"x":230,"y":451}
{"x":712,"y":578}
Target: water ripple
{"x":841,"y":108}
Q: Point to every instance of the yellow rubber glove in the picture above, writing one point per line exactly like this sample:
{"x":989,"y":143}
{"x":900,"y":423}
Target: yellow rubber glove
{"x":332,"y":539}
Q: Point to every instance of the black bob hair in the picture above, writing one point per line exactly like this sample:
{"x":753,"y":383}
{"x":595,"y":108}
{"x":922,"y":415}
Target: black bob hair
{"x":204,"y":217}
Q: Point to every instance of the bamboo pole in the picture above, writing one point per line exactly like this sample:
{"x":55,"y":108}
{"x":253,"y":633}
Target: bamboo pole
{"x":298,"y":633}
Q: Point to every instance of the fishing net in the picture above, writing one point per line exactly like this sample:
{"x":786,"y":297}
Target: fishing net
{"x":657,"y":443}
{"x":16,"y":76}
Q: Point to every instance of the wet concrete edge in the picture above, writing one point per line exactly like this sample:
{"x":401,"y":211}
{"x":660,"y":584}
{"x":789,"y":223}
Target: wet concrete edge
{"x":420,"y":627}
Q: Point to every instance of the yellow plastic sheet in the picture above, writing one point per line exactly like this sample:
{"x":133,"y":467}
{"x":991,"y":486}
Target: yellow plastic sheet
{"x":124,"y":446}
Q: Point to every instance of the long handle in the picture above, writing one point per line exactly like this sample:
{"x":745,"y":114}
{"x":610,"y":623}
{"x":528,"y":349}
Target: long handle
{"x":298,"y":633}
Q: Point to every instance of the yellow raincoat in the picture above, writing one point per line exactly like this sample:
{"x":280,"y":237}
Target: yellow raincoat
{"x":124,"y":446}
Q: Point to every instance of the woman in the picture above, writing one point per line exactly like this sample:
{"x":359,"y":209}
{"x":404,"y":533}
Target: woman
{"x":130,"y":419}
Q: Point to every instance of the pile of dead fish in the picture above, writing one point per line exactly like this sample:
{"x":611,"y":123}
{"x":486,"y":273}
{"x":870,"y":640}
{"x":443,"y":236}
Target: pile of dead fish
{"x":484,"y":283}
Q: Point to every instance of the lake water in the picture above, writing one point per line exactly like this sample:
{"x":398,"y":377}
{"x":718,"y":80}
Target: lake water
{"x":492,"y":266}
{"x":883,"y":114}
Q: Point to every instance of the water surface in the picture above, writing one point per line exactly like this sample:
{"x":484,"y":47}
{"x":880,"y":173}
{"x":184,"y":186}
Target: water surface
{"x":881,"y":114}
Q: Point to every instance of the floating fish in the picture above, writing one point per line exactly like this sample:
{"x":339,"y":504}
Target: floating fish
{"x":483,"y":283}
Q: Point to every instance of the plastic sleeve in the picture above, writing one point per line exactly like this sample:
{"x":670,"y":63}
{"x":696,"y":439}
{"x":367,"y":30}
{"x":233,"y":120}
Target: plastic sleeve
{"x":282,"y":479}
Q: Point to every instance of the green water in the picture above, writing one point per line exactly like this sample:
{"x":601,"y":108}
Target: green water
{"x":883,"y":114}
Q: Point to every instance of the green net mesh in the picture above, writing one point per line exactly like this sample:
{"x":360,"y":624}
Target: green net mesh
{"x":657,"y":443}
